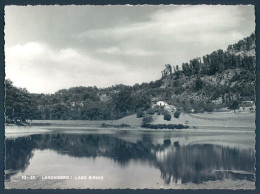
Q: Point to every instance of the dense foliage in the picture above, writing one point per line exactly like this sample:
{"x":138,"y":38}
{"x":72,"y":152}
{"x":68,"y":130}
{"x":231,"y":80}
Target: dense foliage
{"x":167,"y":116}
{"x":220,"y":60}
{"x":19,"y":103}
{"x":224,"y":76}
{"x":165,"y":126}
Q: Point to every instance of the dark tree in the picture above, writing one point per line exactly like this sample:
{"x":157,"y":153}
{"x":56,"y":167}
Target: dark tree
{"x":19,"y":103}
{"x":198,"y":84}
{"x":209,"y":107}
{"x":123,"y":100}
{"x":147,"y":119}
{"x":177,"y":114}
{"x":233,"y":105}
{"x":167,"y":116}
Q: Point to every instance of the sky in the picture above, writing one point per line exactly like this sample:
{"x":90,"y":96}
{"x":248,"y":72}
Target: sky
{"x":48,"y":48}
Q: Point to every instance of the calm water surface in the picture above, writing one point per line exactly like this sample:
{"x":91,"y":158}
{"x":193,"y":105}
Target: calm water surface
{"x":128,"y":159}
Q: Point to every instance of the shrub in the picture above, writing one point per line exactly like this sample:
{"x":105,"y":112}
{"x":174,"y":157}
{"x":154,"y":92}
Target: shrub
{"x":161,"y":126}
{"x":123,"y":125}
{"x":198,"y":84}
{"x":209,"y":107}
{"x":150,"y":111}
{"x":179,"y":126}
{"x":154,"y":127}
{"x":251,"y":109}
{"x":160,"y":110}
{"x":104,"y":125}
{"x":165,"y":126}
{"x":199,"y":109}
{"x":167,"y":116}
{"x":233,"y":105}
{"x":170,"y":126}
{"x":140,"y":114}
{"x":177,"y":114}
{"x":176,"y":144}
{"x":147,"y":119}
{"x":157,"y":108}
{"x":167,"y":142}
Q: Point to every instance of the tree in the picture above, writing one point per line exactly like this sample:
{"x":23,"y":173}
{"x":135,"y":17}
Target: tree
{"x":214,"y":63}
{"x":168,"y":69}
{"x":147,"y":119}
{"x":205,"y":65}
{"x":167,"y":116}
{"x":140,"y":114}
{"x":150,"y":111}
{"x":177,"y":68}
{"x":198,"y":84}
{"x":19,"y":103}
{"x":186,"y":69}
{"x":233,"y":105}
{"x":195,"y":65}
{"x":140,"y":101}
{"x":177,"y":72}
{"x":209,"y":107}
{"x":59,"y":111}
{"x":123,"y":100}
{"x":177,"y":114}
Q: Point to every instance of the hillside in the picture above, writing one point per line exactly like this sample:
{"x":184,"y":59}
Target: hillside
{"x":216,"y":81}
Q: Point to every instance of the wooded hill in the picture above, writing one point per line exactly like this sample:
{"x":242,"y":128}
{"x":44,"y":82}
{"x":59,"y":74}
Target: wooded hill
{"x":203,"y":84}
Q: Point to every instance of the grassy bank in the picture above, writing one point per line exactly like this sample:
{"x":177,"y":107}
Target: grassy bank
{"x":199,"y":120}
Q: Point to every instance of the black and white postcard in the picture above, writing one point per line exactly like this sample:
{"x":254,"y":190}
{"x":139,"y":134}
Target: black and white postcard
{"x":130,"y":96}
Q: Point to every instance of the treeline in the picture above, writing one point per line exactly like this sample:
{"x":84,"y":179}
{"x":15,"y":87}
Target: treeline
{"x":236,"y":84}
{"x":92,"y":103}
{"x":220,"y":60}
{"x":246,"y":44}
{"x":19,"y":103}
{"x":77,"y":103}
{"x":217,"y":61}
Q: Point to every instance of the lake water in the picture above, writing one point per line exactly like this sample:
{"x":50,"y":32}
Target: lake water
{"x":131,"y":159}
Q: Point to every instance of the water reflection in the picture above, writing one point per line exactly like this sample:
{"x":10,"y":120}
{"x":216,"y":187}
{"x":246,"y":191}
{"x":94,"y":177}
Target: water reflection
{"x":177,"y":163}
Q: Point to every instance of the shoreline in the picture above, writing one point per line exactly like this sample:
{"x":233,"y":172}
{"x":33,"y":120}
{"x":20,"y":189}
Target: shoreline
{"x":198,"y":123}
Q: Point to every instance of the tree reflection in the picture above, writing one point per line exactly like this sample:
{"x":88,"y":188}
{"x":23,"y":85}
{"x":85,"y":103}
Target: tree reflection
{"x":197,"y":163}
{"x":190,"y":163}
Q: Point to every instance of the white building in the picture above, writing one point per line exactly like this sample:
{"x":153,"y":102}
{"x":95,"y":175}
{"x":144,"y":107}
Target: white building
{"x":161,"y":103}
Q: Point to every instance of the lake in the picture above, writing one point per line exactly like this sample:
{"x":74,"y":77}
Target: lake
{"x":78,"y":157}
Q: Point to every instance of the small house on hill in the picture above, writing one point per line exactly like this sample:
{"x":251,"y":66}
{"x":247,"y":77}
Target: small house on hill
{"x":166,"y":106}
{"x":247,"y":104}
{"x":161,"y":103}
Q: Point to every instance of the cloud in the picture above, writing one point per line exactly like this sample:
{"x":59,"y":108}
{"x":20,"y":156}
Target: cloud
{"x":127,"y":51}
{"x":180,"y":23}
{"x":43,"y":69}
{"x":99,"y":45}
{"x":188,"y":32}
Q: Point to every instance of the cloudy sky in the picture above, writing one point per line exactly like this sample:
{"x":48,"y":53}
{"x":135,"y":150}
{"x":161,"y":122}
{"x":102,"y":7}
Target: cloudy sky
{"x":54,"y":47}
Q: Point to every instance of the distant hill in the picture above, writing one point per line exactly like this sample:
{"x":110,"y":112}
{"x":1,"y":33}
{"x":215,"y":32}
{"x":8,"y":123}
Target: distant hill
{"x":203,"y":84}
{"x":217,"y":79}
